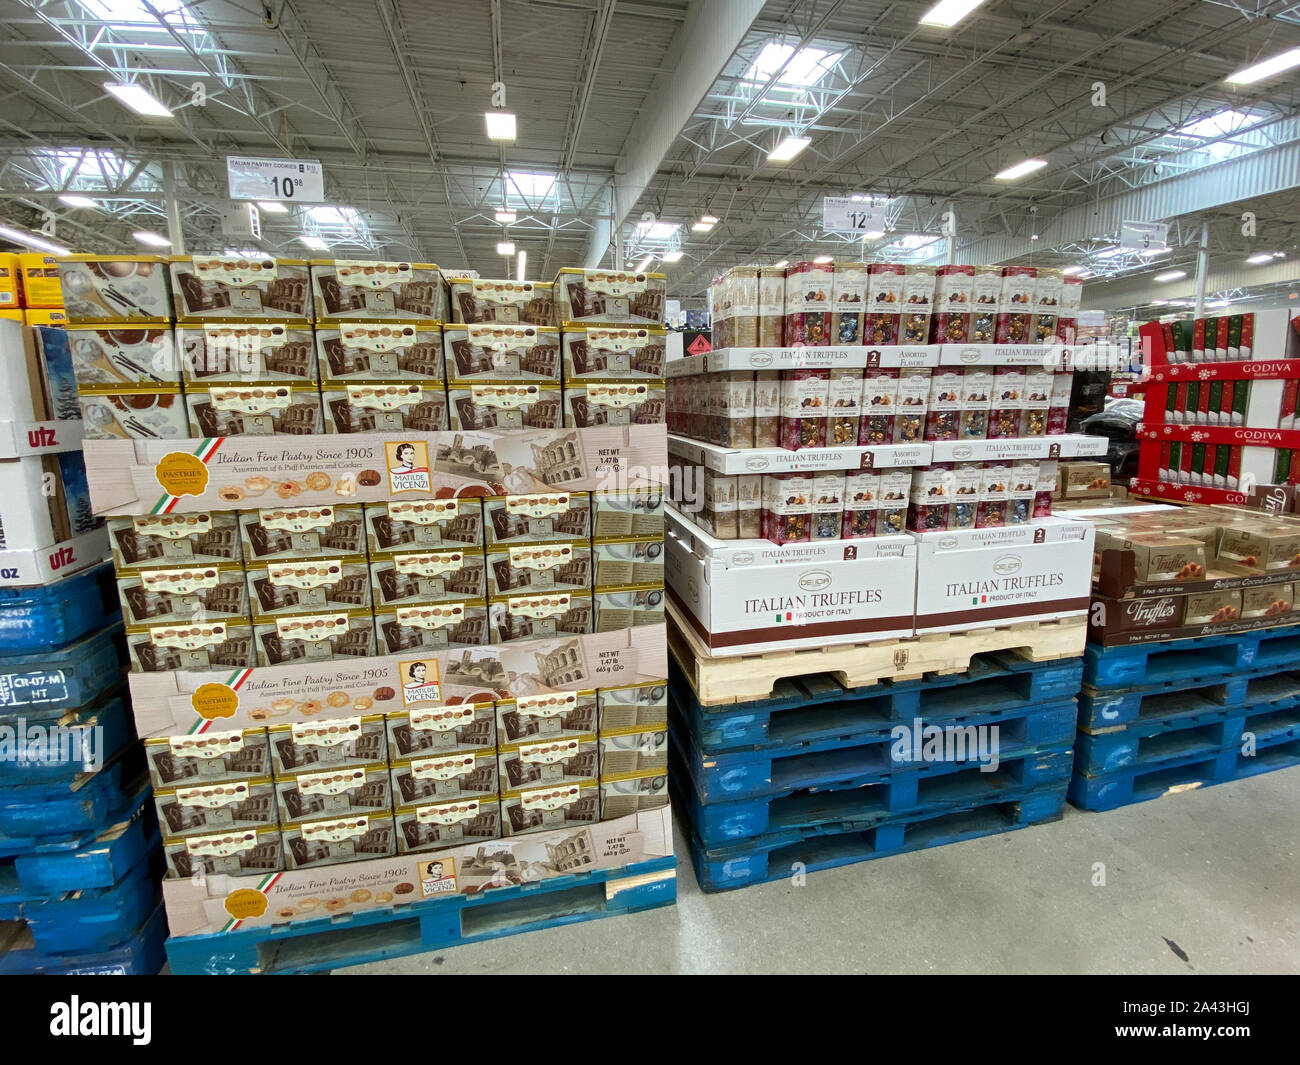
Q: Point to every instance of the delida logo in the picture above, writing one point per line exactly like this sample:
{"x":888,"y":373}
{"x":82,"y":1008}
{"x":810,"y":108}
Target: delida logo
{"x":742,"y":558}
{"x":970,"y":355}
{"x":760,"y":360}
{"x":1007,"y":565}
{"x":962,"y":452}
{"x":42,"y":436}
{"x":815,"y":580}
{"x":756,"y":464}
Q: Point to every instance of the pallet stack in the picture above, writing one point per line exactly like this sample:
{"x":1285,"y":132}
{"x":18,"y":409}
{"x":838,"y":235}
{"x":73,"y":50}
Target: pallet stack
{"x":818,"y":775}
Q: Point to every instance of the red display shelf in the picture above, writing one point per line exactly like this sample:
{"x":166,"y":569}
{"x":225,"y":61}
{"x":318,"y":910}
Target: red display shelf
{"x":1169,"y":492}
{"x":1219,"y":434}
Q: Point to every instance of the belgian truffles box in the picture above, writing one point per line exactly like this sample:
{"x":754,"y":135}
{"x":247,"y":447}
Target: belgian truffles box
{"x":431,"y":626}
{"x":437,"y":576}
{"x":536,"y":615}
{"x":551,"y":760}
{"x":333,"y":792}
{"x":347,"y":288}
{"x":502,"y":352}
{"x":538,"y":567}
{"x":503,"y":405}
{"x":210,"y":286}
{"x":602,"y":352}
{"x":445,"y":776}
{"x":433,"y":825}
{"x":234,"y":852}
{"x":385,"y":407}
{"x":166,"y":539}
{"x":315,"y":637}
{"x":329,"y":841}
{"x":380,"y":351}
{"x":547,"y":715}
{"x":113,"y":288}
{"x":430,"y":730}
{"x":594,"y":403}
{"x":423,"y":523}
{"x":253,"y":409}
{"x":550,"y":806}
{"x":197,"y":646}
{"x":263,"y":351}
{"x":214,"y":591}
{"x":478,"y":300}
{"x":122,"y":356}
{"x":610,"y":296}
{"x":216,"y":806}
{"x":542,"y":518}
{"x":239,"y":754}
{"x":331,"y":743}
{"x":315,"y":531}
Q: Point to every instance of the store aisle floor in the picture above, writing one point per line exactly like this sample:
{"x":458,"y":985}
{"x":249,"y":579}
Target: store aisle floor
{"x":1211,"y":875}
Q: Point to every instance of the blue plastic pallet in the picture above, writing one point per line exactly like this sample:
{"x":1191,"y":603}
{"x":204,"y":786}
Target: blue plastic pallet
{"x":59,"y":809}
{"x":1203,"y":657}
{"x":829,"y":764}
{"x":96,"y":919}
{"x":95,"y":859}
{"x":740,"y":867}
{"x":49,"y":616}
{"x":141,"y":955}
{"x":41,"y":685}
{"x":802,"y":814}
{"x":818,"y":707}
{"x":86,"y":738}
{"x":433,"y":924}
{"x":1109,"y":708}
{"x":1141,"y":783}
{"x":1145,"y":744}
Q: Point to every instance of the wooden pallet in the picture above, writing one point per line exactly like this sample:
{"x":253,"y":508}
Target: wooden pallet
{"x":744,"y":677}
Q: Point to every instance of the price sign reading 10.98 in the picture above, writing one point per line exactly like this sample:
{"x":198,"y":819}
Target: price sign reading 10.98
{"x":290,"y":180}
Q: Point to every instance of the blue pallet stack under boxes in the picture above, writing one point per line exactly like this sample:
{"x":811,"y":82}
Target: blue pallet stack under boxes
{"x":80,"y":857}
{"x":818,"y":775}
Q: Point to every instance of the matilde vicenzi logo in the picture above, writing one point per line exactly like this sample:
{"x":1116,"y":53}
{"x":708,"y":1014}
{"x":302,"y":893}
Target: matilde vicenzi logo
{"x":133,"y":1020}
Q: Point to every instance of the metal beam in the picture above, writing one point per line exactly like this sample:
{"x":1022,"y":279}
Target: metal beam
{"x":713,"y":30}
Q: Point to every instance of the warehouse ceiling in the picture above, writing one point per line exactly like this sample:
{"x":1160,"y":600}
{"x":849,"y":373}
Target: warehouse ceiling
{"x":645,"y":115}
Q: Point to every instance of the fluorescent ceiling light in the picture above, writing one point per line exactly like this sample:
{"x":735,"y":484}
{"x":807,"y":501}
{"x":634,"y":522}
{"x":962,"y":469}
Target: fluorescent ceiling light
{"x":1170,"y":275}
{"x":505,"y":247}
{"x":334,"y":216}
{"x":781,"y":265}
{"x":19,"y":237}
{"x":788,"y":149}
{"x":154,"y":240}
{"x":1279,"y":255}
{"x":799,"y":68}
{"x":657,"y":230}
{"x":506,"y":217}
{"x":709,"y":220}
{"x":1266,"y":69}
{"x":873,"y":234}
{"x":531,"y":186}
{"x":1216,"y":303}
{"x":1262,"y":257}
{"x":314,"y":243}
{"x":1074,"y":271}
{"x":138,"y":99}
{"x":500,"y":125}
{"x":79,"y":201}
{"x":673,"y":256}
{"x":1020,"y":169}
{"x":1159,"y":303}
{"x":701,"y":227}
{"x":824,"y":259}
{"x":643,"y":264}
{"x":521,"y":266}
{"x":272,"y":207}
{"x":947,"y":13}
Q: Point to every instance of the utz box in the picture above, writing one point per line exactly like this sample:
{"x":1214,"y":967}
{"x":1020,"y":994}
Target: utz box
{"x":551,"y":760}
{"x":537,"y":615}
{"x":302,"y":532}
{"x":538,"y":567}
{"x":445,"y":776}
{"x":427,"y":577}
{"x":431,"y":626}
{"x":610,"y":296}
{"x":477,"y":300}
{"x":164,"y":539}
{"x":333,"y":792}
{"x":346,"y":288}
{"x":266,"y":351}
{"x":344,"y":839}
{"x":425,"y":523}
{"x":101,"y":288}
{"x":233,"y":852}
{"x":503,"y":352}
{"x":380,"y":351}
{"x":550,"y":806}
{"x":330,"y":743}
{"x":386,"y":407}
{"x":429,"y":730}
{"x":431,"y":826}
{"x":602,"y":352}
{"x":212,"y":286}
{"x":216,"y":806}
{"x":175,"y":761}
{"x":314,"y":637}
{"x":639,"y":707}
{"x":543,"y":518}
{"x":504,"y":406}
{"x":546,"y":715}
{"x":253,"y":409}
{"x":197,"y":646}
{"x":981,"y":577}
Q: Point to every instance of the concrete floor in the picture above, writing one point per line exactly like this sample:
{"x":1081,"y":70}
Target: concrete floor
{"x":1212,"y":874}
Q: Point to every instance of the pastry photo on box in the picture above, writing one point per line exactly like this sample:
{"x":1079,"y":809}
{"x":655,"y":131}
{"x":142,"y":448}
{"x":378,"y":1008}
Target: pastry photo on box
{"x":314,"y":637}
{"x":110,"y":288}
{"x":539,"y":615}
{"x":254,"y":409}
{"x":500,"y":301}
{"x":211,"y":286}
{"x":263,"y":351}
{"x":540,"y":518}
{"x":417,"y":524}
{"x":176,"y":761}
{"x":614,"y":403}
{"x":431,"y":626}
{"x":376,"y":407}
{"x":343,"y":839}
{"x":216,"y":806}
{"x":331,"y":743}
{"x":333,"y":792}
{"x":302,"y":532}
{"x":428,"y":577}
{"x":234,"y":852}
{"x":551,"y":806}
{"x":163,"y":539}
{"x":539,"y":567}
{"x":196,"y":647}
{"x":345,"y":288}
{"x":504,"y":406}
{"x":444,"y":728}
{"x":545,"y":715}
{"x":379,"y":351}
{"x":434,"y":825}
{"x":443,"y":776}
{"x":502,"y":352}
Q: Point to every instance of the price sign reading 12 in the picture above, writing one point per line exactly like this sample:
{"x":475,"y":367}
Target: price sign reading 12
{"x":844,"y":214}
{"x":301,"y":180}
